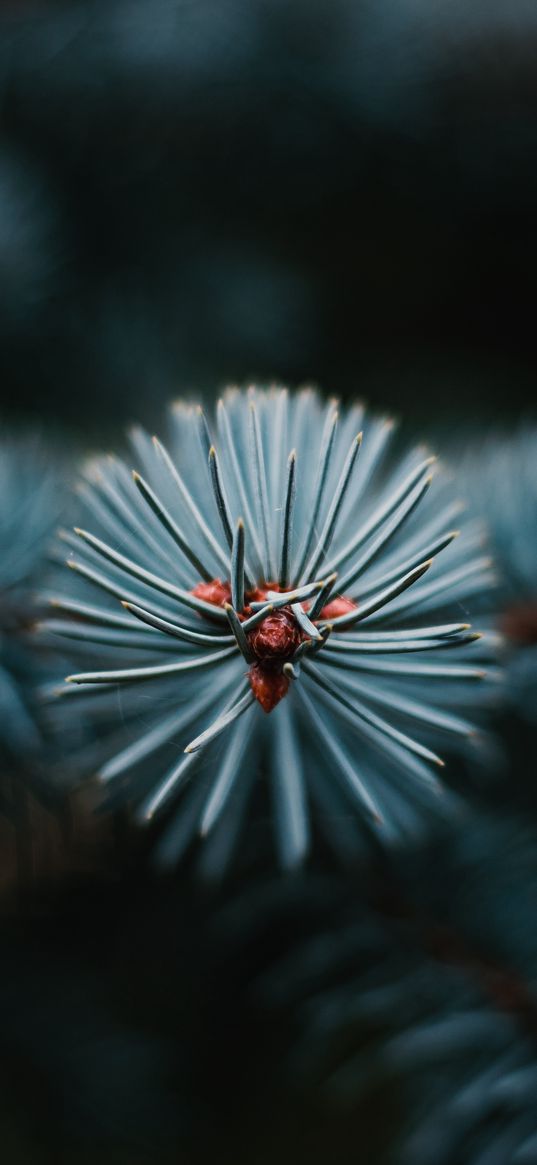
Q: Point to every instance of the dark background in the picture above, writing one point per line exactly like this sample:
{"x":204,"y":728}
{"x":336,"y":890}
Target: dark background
{"x":192,"y":193}
{"x":210,"y":190}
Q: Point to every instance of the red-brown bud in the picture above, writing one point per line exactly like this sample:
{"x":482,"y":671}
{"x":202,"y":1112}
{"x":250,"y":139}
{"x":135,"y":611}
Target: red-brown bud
{"x":277,"y":637}
{"x":268,"y":686}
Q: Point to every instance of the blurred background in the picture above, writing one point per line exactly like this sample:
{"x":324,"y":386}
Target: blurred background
{"x":201,"y":191}
{"x":197,"y":192}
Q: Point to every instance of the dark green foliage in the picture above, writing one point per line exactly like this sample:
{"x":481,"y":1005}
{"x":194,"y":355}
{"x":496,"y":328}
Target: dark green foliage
{"x":199,"y":192}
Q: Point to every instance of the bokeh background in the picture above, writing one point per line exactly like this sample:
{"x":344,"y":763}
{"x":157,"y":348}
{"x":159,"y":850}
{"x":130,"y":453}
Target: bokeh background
{"x":211,"y":190}
{"x":197,"y":192}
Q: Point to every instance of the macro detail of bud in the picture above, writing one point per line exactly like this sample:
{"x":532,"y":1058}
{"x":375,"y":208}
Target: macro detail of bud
{"x":271,"y":553}
{"x":216,"y":592}
{"x":277,"y":637}
{"x":268,"y":685}
{"x":274,"y":640}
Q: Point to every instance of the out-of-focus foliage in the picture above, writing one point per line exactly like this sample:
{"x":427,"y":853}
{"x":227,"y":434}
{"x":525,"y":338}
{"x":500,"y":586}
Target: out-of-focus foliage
{"x":194,"y":193}
{"x":198,"y":193}
{"x":498,"y":476}
{"x":30,"y":506}
{"x":428,"y":988}
{"x":33,"y":497}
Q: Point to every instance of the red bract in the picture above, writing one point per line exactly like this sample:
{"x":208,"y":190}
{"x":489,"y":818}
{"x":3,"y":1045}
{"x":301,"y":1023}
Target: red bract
{"x":268,"y":685}
{"x":216,"y":592}
{"x":274,"y":640}
{"x":337,"y":607}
